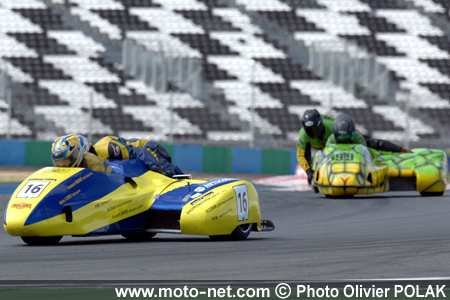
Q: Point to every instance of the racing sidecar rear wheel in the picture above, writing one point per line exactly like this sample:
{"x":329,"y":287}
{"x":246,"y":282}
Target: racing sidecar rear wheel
{"x":339,"y":197}
{"x":242,"y":231}
{"x":41,"y":240}
{"x":431,"y":194}
{"x":239,"y":233}
{"x":139,"y":236}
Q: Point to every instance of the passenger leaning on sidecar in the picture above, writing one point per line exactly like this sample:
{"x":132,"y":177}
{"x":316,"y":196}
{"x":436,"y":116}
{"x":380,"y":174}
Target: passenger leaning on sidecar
{"x":315,"y":132}
{"x":155,"y":157}
{"x":67,"y":151}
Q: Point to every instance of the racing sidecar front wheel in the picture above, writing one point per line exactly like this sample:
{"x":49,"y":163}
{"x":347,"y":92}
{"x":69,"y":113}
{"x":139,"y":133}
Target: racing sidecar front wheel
{"x":239,"y":233}
{"x":41,"y":240}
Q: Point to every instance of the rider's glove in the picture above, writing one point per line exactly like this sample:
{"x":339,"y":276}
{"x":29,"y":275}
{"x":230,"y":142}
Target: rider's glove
{"x":168,"y":173}
{"x":310,"y":174}
{"x":405,"y":151}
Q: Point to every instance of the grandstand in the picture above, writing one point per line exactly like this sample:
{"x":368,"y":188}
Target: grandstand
{"x":224,"y":72}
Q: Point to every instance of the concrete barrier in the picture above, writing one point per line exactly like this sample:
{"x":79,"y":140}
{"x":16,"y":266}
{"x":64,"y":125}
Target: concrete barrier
{"x":193,"y":158}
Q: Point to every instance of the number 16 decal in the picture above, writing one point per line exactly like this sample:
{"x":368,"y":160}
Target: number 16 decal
{"x":242,"y":202}
{"x":32,"y":189}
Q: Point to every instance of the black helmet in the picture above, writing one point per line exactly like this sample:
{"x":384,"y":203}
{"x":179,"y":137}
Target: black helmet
{"x":344,"y":129}
{"x":313,"y":123}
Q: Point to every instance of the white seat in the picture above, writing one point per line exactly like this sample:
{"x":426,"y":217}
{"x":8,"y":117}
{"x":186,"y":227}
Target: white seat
{"x":77,"y":41}
{"x":266,"y":5}
{"x":81,"y":68}
{"x":247,"y":45}
{"x":13,"y":22}
{"x":326,"y":93}
{"x":75,"y":120}
{"x":345,"y":5}
{"x":15,"y":127}
{"x":166,"y":21}
{"x":98,"y":4}
{"x":398,"y":117}
{"x":237,"y":19}
{"x":182,"y":4}
{"x":160,"y":118}
{"x":334,"y":22}
{"x":241,"y":94}
{"x":221,"y":136}
{"x":241,"y":68}
{"x":410,"y":20}
{"x":413,"y":46}
{"x":11,"y":4}
{"x":414,"y":70}
{"x":165,"y":100}
{"x":95,"y":21}
{"x":77,"y":94}
{"x":160,"y":41}
{"x":428,"y":6}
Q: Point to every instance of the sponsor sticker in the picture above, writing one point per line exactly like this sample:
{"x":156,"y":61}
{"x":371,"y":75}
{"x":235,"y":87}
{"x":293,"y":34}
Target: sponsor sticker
{"x":21,"y":205}
{"x":199,"y":199}
{"x":216,"y":181}
{"x":57,"y":170}
{"x":200,"y":189}
{"x":80,"y":179}
{"x":195,"y":195}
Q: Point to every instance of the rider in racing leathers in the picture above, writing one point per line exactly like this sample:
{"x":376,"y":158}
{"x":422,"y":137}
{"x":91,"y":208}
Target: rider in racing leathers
{"x":344,"y":132}
{"x":67,"y":151}
{"x":315,"y":132}
{"x":153,"y":155}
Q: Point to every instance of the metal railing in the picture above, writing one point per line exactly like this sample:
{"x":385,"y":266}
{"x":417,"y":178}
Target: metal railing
{"x":6,"y":97}
{"x":347,"y":66}
{"x":160,"y":69}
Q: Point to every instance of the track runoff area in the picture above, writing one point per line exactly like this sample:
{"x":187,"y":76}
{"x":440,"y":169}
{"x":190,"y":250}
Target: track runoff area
{"x":290,"y":183}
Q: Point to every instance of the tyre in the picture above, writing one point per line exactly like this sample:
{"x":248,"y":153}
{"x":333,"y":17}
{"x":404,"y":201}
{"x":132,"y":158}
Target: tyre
{"x":41,"y":240}
{"x":339,"y":197}
{"x":139,"y":236}
{"x":240,"y":233}
{"x":431,"y":194}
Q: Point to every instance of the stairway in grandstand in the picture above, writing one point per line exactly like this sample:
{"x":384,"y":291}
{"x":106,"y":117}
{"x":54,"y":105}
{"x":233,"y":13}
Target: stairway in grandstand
{"x":63,"y":56}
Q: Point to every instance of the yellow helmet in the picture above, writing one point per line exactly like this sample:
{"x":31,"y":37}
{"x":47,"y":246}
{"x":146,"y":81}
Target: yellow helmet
{"x":67,"y":151}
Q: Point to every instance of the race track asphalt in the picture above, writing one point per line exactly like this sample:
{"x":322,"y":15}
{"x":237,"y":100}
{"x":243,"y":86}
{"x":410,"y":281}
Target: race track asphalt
{"x":393,"y":235}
